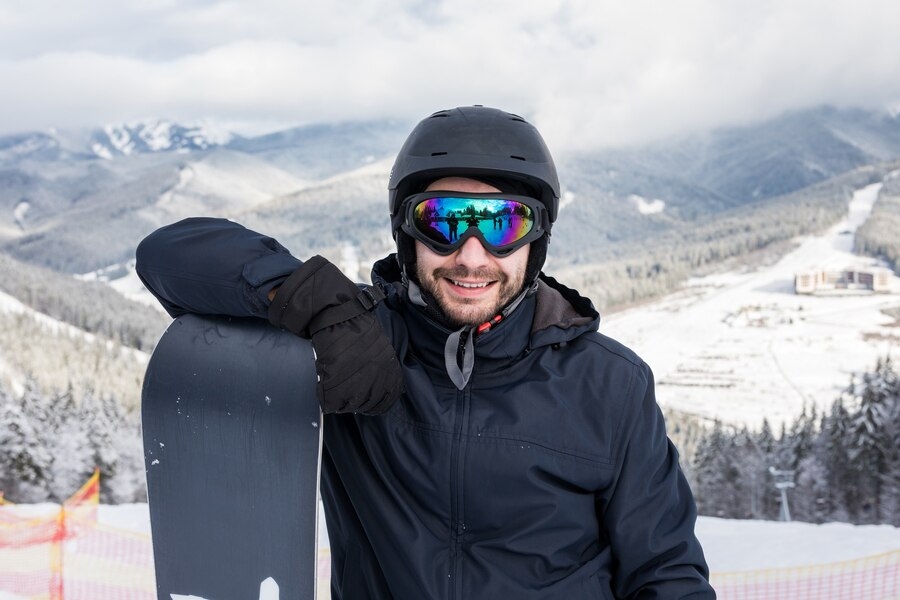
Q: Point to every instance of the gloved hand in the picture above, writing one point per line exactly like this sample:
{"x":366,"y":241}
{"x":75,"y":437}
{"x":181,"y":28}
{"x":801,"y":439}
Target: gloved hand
{"x":357,"y":367}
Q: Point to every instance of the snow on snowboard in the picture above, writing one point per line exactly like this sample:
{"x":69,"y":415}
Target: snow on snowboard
{"x":232,"y":448}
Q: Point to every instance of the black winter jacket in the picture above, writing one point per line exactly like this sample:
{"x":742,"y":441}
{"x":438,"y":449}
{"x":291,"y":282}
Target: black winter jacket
{"x":548,"y":475}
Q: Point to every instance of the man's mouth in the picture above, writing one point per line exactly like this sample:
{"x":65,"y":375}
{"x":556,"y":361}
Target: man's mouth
{"x":470,"y":285}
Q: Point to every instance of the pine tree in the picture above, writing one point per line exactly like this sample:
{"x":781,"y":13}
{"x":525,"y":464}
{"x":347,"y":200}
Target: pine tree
{"x":102,"y":426}
{"x":70,"y":447}
{"x":846,"y":464}
{"x":767,"y":500}
{"x":738,"y":492}
{"x":887,"y":392}
{"x":840,"y":476}
{"x":115,"y":443}
{"x":807,"y":471}
{"x":873,"y":443}
{"x":803,"y":432}
{"x":24,"y":462}
{"x":715,"y":473}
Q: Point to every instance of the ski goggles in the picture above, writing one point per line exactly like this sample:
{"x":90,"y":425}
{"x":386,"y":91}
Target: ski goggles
{"x":503,"y":223}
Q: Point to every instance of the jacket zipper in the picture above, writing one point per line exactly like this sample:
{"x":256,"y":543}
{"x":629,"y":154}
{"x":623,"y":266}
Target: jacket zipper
{"x":457,"y":491}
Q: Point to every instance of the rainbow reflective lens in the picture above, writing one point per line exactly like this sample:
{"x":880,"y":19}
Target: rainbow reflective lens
{"x":444,"y":220}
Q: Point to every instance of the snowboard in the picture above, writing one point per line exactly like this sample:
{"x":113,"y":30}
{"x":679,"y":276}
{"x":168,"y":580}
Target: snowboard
{"x":232,"y":436}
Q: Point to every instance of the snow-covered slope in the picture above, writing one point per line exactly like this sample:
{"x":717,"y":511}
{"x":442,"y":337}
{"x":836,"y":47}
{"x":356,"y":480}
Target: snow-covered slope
{"x":57,"y":355}
{"x":222,"y":183}
{"x":742,"y":346}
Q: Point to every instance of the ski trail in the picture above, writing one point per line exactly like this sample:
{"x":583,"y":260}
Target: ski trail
{"x":741,"y":346}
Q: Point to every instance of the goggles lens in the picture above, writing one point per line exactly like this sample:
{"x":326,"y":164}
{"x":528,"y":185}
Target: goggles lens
{"x":502,"y":222}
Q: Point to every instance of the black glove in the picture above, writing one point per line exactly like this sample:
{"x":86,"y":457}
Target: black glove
{"x":357,"y":367}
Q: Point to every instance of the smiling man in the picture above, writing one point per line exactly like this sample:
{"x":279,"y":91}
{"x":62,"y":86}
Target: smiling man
{"x":470,"y":284}
{"x":483,"y":439}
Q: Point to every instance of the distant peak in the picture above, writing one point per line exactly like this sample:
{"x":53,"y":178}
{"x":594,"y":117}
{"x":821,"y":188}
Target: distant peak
{"x":156,"y":135}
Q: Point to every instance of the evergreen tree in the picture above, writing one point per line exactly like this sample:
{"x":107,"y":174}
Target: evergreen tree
{"x":875,"y":396}
{"x":886,"y":384}
{"x":846,"y":464}
{"x":739,"y":494}
{"x":715,"y":473}
{"x":115,"y":442}
{"x":840,"y":476}
{"x":24,"y":463}
{"x":102,"y":426}
{"x":70,"y":447}
{"x":810,"y":499}
{"x":767,"y":500}
{"x":807,"y":471}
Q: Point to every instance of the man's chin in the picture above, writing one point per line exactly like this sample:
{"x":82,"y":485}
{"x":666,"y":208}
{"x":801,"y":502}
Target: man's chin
{"x":466,"y":313}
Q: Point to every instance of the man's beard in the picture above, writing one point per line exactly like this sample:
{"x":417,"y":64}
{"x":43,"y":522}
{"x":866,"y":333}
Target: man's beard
{"x":460,"y":311}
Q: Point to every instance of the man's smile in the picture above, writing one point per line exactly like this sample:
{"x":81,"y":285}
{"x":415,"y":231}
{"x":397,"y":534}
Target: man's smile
{"x":471,"y":285}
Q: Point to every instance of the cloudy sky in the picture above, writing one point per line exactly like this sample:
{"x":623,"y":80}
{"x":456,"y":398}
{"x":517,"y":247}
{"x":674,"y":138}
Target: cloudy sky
{"x":587,"y":72}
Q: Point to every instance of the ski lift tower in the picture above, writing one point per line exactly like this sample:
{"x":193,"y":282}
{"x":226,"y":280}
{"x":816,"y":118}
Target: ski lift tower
{"x":784,"y":480}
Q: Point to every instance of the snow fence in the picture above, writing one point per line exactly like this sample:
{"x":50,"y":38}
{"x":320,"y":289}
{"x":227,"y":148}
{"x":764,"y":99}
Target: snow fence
{"x":70,"y":556}
{"x":870,"y":578}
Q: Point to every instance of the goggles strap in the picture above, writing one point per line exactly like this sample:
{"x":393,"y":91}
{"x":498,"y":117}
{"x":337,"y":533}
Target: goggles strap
{"x":415,"y":293}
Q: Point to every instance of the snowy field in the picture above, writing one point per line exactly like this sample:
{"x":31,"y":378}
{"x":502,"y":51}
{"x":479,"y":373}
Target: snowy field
{"x":730,"y":545}
{"x":743,"y":346}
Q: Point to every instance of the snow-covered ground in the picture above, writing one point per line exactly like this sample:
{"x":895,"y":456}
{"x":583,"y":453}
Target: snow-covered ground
{"x":730,"y":545}
{"x":743,"y":346}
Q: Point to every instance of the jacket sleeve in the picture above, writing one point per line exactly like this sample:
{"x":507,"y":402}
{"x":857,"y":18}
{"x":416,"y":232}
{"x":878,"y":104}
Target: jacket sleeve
{"x":649,"y":515}
{"x":212,"y":266}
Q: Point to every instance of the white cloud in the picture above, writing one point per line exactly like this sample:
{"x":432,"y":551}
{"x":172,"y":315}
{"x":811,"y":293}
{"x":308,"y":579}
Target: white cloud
{"x":595,"y":72}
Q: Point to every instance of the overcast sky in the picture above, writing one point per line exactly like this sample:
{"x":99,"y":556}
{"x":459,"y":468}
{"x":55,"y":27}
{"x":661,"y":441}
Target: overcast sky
{"x":587,"y":72}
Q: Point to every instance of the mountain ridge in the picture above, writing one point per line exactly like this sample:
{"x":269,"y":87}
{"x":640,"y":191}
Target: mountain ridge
{"x":54,"y":194}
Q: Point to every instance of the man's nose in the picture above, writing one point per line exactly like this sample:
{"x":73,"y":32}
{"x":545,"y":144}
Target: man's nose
{"x":472,"y":254}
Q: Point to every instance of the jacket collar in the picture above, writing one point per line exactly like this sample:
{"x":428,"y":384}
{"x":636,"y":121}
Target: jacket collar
{"x":550,"y":314}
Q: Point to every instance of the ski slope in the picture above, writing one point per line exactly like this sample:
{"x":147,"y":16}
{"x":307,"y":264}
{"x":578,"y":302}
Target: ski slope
{"x":741,"y":346}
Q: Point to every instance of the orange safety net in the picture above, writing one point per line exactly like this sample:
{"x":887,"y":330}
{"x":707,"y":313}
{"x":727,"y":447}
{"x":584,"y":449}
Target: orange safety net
{"x":64,"y":553}
{"x":871,"y":578}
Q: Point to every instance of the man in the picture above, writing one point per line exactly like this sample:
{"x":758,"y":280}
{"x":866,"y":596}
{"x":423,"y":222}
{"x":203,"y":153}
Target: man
{"x":526,"y":456}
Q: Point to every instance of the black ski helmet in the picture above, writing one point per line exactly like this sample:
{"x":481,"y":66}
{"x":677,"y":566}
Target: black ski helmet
{"x":478,"y":142}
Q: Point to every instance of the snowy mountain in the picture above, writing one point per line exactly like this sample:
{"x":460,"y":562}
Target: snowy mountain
{"x":155,"y":136}
{"x":37,"y":146}
{"x":55,"y":190}
{"x":326,"y":150}
{"x":110,"y":141}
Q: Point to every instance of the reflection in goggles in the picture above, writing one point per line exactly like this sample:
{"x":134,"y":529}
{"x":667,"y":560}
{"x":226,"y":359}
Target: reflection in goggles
{"x":501,"y":222}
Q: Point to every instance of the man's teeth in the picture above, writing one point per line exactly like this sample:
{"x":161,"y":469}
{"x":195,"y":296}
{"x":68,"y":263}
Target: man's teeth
{"x":470,"y":285}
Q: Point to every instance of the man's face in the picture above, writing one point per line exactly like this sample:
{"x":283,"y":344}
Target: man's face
{"x":471,"y":285}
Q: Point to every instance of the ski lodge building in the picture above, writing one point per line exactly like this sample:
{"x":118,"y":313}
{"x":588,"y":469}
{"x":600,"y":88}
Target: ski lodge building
{"x":872,"y":279}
